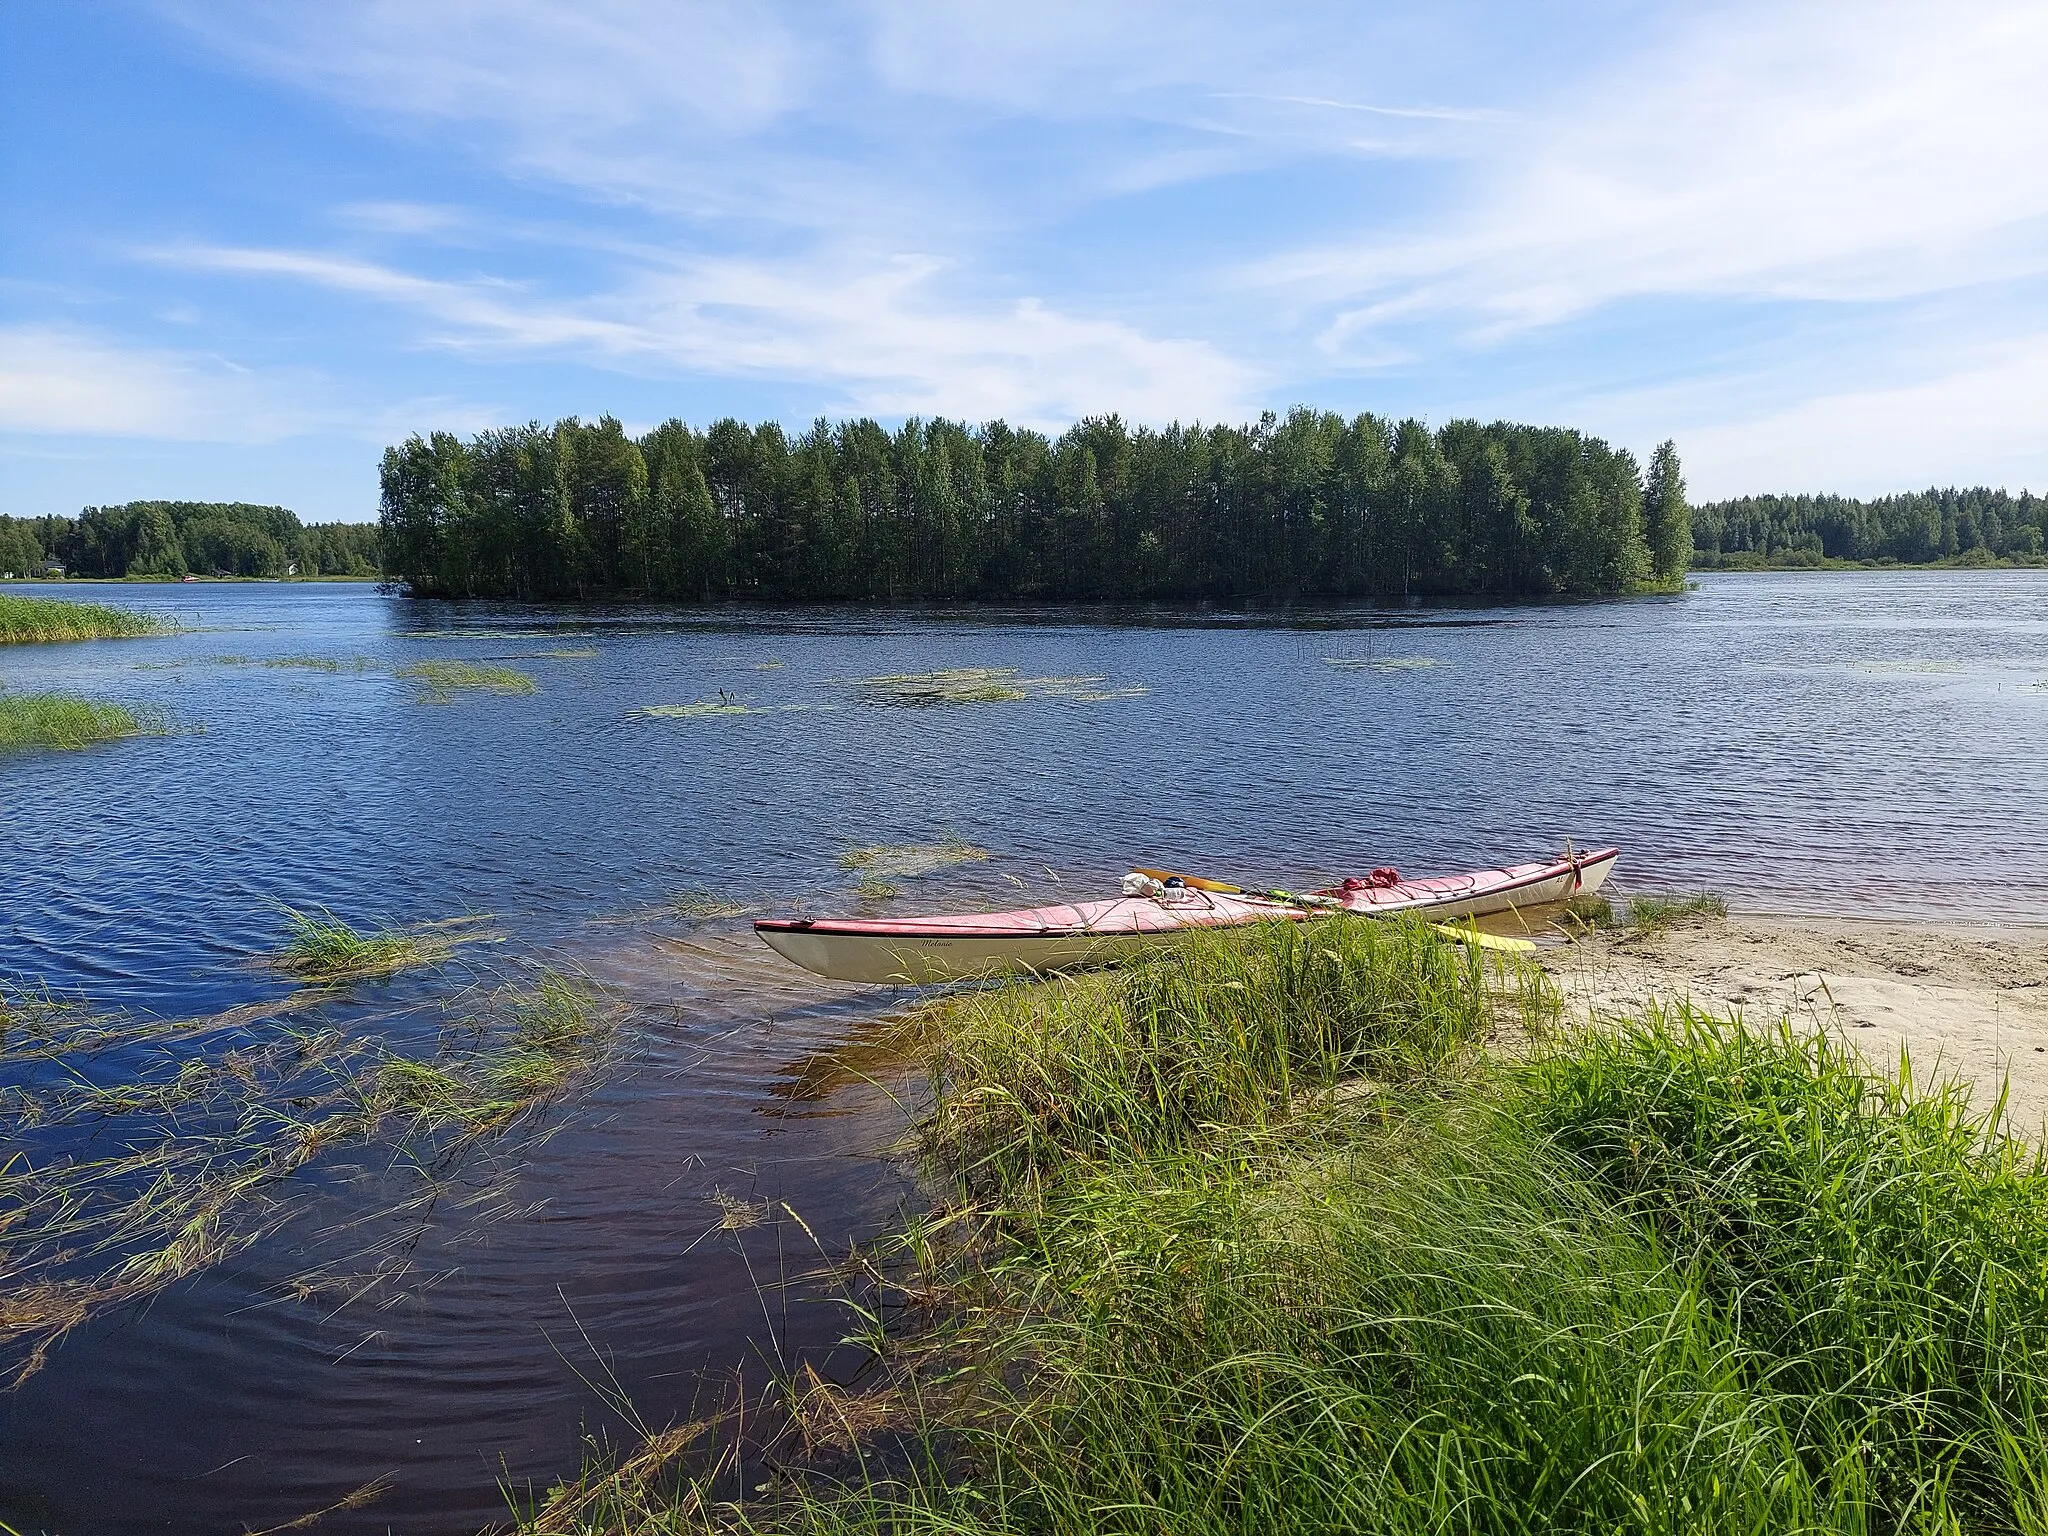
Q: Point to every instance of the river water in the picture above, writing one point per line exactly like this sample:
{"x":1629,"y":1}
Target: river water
{"x":1833,"y":742}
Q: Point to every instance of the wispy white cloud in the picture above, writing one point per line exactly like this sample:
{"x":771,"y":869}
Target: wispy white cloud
{"x":878,"y":334}
{"x":1822,"y":151}
{"x":55,"y":380}
{"x":62,"y":382}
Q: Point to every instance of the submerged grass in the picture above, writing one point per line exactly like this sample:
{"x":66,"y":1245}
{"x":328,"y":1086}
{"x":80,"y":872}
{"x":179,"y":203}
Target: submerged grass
{"x":186,"y":1163}
{"x":26,"y":620}
{"x":702,"y":904}
{"x":881,"y":861}
{"x":1248,"y":1238}
{"x":65,"y":720}
{"x":322,"y":663}
{"x":439,"y":681}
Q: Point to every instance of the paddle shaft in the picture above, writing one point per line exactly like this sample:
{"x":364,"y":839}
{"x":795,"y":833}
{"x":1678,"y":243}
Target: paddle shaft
{"x":1470,"y":935}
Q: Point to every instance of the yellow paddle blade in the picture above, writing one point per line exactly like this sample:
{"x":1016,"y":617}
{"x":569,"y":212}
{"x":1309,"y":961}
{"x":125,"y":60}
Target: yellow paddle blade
{"x":1478,"y":940}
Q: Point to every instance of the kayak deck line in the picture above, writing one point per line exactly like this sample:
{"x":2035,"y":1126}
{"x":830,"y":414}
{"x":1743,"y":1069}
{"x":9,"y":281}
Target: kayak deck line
{"x":916,"y":951}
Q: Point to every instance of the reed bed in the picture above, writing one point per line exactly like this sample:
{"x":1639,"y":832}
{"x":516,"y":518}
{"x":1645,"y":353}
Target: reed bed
{"x":1251,"y":1238}
{"x":190,"y":1161}
{"x":66,"y":721}
{"x":29,"y":620}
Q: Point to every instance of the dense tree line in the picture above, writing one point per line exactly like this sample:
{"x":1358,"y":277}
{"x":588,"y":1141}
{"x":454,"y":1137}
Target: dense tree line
{"x":1309,"y":505}
{"x":178,"y":538}
{"x":1975,"y":526}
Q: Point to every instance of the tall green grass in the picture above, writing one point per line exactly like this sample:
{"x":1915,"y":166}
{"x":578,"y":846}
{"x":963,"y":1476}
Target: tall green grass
{"x":65,"y":720}
{"x":30,"y":619}
{"x":1248,"y":1239}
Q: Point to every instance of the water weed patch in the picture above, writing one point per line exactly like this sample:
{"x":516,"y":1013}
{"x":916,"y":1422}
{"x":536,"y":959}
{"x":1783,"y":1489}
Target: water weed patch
{"x":65,"y":720}
{"x":27,"y":620}
{"x":881,"y":861}
{"x":438,"y":682}
{"x":116,"y":1188}
{"x":983,"y":685}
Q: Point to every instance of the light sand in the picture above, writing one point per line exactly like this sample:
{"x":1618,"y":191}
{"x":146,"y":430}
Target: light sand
{"x":1964,"y":1000}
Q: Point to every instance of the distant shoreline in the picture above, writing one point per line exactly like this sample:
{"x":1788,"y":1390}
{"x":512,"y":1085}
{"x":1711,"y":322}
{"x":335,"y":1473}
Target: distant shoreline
{"x":181,"y":581}
{"x":1867,"y":567}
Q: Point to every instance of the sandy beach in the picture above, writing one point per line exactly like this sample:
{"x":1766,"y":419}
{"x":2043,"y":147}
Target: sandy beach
{"x":1963,"y":999}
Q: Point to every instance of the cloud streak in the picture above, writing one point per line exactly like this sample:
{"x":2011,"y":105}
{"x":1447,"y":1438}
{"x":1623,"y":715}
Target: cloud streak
{"x":878,"y":334}
{"x":1815,"y":153}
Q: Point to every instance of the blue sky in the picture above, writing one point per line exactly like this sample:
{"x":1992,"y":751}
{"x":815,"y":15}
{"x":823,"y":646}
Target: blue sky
{"x":246,"y":243}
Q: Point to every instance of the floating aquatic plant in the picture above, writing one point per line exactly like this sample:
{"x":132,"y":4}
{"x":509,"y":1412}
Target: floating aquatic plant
{"x":983,"y":685}
{"x":439,"y":681}
{"x":65,"y":720}
{"x":30,"y":620}
{"x":726,"y":703}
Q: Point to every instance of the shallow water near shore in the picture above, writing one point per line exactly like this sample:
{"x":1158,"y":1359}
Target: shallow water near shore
{"x":1844,"y":742}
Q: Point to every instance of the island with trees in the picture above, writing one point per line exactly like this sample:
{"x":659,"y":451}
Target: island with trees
{"x":1312,"y":505}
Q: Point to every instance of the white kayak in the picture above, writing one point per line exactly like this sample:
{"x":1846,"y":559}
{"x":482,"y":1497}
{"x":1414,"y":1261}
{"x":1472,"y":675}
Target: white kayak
{"x":920,"y":951}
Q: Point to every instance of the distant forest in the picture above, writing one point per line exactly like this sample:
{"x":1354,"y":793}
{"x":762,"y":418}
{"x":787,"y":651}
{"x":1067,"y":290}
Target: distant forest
{"x":178,"y":538}
{"x":1973,"y":527}
{"x":1309,"y":505}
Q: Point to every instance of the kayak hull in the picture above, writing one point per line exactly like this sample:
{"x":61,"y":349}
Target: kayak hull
{"x":924,"y":951}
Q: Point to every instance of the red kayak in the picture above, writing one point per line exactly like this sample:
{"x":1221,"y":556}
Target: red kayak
{"x":917,"y":951}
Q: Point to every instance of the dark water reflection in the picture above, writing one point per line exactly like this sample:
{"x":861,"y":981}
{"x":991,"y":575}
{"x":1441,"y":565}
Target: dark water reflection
{"x":1835,"y":742}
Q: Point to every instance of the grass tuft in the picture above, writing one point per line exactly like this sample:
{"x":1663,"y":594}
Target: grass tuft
{"x":1653,"y":914}
{"x":27,"y":620}
{"x":321,"y":947}
{"x":65,"y":720}
{"x":440,"y":681}
{"x":1586,"y":913}
{"x":537,"y":1038}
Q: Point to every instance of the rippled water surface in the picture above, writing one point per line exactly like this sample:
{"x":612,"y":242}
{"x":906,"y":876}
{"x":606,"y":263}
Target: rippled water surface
{"x":1835,"y":742}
